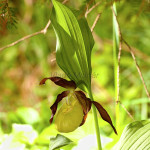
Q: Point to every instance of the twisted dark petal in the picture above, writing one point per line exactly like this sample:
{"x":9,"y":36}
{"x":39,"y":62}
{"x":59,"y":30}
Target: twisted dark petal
{"x":54,"y":106}
{"x":60,"y":82}
{"x":85,"y":103}
{"x":105,"y":116}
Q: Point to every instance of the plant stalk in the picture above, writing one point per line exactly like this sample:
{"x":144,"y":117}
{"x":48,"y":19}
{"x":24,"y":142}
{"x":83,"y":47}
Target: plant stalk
{"x":96,"y":122}
{"x":115,"y":52}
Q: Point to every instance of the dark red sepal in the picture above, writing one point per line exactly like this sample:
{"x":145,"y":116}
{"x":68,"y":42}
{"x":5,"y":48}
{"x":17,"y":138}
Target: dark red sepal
{"x":61,"y":82}
{"x":85,"y":103}
{"x":105,"y":116}
{"x":54,"y":106}
{"x":84,"y":119}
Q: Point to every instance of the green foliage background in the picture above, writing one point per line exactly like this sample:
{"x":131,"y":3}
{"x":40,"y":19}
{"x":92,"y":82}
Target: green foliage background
{"x":23,"y":101}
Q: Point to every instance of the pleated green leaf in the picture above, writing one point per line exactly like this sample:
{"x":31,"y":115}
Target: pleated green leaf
{"x":74,"y":44}
{"x":136,"y":136}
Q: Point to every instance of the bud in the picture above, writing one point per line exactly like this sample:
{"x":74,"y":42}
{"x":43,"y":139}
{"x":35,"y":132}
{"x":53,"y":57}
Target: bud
{"x":70,"y":116}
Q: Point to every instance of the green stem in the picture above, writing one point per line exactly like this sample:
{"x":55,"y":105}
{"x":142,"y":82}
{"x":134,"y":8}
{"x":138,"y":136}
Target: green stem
{"x":115,"y":52}
{"x":96,"y":122}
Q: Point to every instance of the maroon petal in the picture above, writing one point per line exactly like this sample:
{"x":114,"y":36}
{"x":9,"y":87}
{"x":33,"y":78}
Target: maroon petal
{"x":85,"y":103}
{"x":61,"y":82}
{"x":105,"y":116}
{"x":54,"y":106}
{"x":84,"y":119}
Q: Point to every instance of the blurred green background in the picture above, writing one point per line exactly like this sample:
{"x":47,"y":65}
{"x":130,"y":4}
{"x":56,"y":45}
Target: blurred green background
{"x":24,"y":105}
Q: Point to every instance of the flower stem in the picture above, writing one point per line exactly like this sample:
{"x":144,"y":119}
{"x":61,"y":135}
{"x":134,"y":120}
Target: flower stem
{"x":115,"y":52}
{"x":96,"y":122}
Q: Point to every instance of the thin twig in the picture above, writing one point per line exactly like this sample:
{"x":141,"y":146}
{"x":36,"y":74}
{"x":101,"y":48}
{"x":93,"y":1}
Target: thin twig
{"x":138,"y":68}
{"x":136,"y":51}
{"x":43,"y":31}
{"x":95,"y":22}
{"x":65,"y":1}
{"x":119,"y":30}
{"x":118,"y":69}
{"x":89,"y":10}
{"x":119,"y":56}
{"x":141,"y":7}
{"x":127,"y":111}
{"x":134,"y":58}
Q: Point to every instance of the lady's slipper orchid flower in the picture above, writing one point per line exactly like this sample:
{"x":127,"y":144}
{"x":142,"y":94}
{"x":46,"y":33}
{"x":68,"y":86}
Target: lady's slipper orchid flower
{"x":74,"y":111}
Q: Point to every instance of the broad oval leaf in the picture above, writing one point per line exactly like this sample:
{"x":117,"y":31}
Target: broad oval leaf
{"x":74,"y":44}
{"x":136,"y":136}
